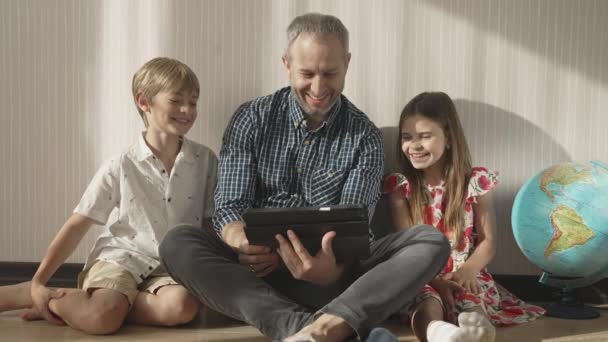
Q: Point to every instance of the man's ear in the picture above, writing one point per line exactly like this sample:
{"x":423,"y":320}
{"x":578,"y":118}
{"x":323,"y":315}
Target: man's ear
{"x":348,"y":59}
{"x":142,"y":103}
{"x":285,"y":60}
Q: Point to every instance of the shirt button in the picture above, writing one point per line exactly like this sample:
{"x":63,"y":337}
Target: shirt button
{"x":162,"y":171}
{"x":306,"y":142}
{"x":169,"y":199}
{"x":299,"y":170}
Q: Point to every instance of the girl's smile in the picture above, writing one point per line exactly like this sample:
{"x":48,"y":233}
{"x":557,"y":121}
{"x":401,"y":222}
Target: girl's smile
{"x":424,"y":143}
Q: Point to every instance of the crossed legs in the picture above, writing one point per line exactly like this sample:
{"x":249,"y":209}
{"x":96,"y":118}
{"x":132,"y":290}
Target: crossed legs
{"x":103,"y":311}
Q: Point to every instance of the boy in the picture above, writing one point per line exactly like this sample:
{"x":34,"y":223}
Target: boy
{"x":161,"y":181}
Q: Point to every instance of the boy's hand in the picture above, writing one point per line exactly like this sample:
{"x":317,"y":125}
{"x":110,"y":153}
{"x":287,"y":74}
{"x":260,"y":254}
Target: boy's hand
{"x":258,"y":259}
{"x":465,"y":278}
{"x":320,"y":269}
{"x":447,"y":289}
{"x":41,"y":296}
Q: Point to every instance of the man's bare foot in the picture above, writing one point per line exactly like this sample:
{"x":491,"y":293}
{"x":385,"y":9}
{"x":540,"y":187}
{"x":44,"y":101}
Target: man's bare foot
{"x":326,"y":328}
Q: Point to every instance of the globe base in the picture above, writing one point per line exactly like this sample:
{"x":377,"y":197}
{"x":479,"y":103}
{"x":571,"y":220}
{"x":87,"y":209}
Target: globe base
{"x":567,"y":306}
{"x":570,"y":311}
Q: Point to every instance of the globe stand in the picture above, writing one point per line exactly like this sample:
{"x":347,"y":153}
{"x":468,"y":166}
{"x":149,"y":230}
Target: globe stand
{"x":568,"y":307}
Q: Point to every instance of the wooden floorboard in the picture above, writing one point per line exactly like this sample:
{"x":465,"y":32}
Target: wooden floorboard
{"x":545,"y":329}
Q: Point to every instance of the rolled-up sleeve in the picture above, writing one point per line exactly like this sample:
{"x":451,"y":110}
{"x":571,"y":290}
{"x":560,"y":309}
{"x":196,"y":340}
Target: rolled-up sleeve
{"x":362,"y":186}
{"x":235,"y":189}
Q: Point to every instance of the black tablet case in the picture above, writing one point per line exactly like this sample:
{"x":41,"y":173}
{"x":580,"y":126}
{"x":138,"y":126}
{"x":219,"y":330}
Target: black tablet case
{"x":350,"y":223}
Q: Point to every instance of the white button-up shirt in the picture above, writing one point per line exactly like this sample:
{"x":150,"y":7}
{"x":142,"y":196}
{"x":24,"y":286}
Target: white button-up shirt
{"x":146,"y":201}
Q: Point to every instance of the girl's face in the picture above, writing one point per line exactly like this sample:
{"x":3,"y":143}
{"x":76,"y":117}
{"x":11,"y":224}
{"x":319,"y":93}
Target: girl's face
{"x":423,"y":143}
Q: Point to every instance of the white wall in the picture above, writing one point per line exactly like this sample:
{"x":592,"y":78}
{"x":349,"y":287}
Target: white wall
{"x":529,"y":78}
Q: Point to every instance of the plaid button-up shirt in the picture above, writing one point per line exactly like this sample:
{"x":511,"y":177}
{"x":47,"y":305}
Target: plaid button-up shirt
{"x":269,"y":159}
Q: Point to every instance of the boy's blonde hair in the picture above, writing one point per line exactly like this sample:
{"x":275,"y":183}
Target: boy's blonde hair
{"x":162,"y":74}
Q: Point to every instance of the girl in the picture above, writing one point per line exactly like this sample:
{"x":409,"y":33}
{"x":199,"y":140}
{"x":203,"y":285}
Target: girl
{"x":439,"y":187}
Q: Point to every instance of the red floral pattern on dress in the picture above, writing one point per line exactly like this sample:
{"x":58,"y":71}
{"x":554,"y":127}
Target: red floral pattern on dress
{"x":396,"y":182}
{"x":502,"y":307}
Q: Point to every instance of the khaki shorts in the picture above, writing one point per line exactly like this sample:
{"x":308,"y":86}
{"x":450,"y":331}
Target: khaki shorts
{"x":106,"y":275}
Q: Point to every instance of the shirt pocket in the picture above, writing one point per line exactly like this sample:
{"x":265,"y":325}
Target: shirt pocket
{"x":326,"y":185}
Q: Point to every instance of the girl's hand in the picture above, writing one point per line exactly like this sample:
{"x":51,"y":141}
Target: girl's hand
{"x":41,"y":296}
{"x":465,"y":278}
{"x":447,"y":289}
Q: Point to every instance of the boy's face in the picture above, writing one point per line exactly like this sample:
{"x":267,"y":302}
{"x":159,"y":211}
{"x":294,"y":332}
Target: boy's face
{"x":171,"y":112}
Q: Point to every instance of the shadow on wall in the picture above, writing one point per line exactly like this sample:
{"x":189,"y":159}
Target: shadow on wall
{"x":500,"y":140}
{"x":567,"y":33}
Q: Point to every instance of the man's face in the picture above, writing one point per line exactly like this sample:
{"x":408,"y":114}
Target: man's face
{"x":316,"y":67}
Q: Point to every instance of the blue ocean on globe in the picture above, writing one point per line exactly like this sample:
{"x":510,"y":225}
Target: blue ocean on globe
{"x":560,"y":219}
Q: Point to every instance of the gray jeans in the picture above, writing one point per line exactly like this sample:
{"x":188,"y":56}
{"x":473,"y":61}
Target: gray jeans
{"x":279,"y":305}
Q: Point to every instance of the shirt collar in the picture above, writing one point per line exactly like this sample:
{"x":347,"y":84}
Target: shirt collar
{"x":297,"y":115}
{"x":143,"y":151}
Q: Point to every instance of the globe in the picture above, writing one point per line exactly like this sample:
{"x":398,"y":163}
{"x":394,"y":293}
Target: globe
{"x":560,"y":220}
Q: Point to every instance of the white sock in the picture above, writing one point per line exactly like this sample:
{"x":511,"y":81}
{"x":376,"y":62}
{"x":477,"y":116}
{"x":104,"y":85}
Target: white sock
{"x":474,"y":327}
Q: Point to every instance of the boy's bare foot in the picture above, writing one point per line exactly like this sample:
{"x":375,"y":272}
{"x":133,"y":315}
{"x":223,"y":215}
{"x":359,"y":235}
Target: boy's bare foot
{"x":326,"y":328}
{"x":35,"y":315}
{"x":13,"y":297}
{"x":31,"y":315}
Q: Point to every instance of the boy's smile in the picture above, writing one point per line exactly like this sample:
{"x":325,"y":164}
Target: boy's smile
{"x":172,"y":112}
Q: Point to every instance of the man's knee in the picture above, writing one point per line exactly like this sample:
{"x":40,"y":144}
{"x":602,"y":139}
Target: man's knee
{"x":433,"y":237}
{"x":428,"y":235}
{"x":174,"y":240}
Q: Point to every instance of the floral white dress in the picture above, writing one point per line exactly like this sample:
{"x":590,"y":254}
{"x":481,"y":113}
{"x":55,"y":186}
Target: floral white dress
{"x":502,"y":307}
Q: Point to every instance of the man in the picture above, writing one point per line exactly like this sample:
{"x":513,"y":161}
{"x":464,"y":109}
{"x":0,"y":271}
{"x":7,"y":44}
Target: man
{"x":304,"y":145}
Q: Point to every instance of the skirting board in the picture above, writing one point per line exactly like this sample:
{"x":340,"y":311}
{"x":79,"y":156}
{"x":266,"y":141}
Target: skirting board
{"x":526,"y":287}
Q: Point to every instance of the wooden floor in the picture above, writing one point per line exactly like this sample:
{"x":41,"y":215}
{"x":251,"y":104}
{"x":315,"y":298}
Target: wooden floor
{"x":216,"y":328}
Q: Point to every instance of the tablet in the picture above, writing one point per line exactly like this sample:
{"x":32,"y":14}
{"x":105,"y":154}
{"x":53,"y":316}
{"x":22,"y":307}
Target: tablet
{"x":350,"y":222}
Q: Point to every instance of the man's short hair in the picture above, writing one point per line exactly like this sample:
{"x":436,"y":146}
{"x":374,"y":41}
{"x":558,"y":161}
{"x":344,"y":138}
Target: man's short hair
{"x":162,"y":74}
{"x":318,"y":24}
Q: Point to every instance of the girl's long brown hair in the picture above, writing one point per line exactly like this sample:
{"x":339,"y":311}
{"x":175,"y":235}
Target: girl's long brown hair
{"x":438,"y":106}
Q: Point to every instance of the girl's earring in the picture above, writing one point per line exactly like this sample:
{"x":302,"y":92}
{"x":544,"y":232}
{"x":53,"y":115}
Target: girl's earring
{"x":447,"y":146}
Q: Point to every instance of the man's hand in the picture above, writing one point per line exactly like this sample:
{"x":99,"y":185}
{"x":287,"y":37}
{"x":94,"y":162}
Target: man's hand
{"x":465,"y":278}
{"x":258,"y":259}
{"x":320,"y":269}
{"x":41,"y":296}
